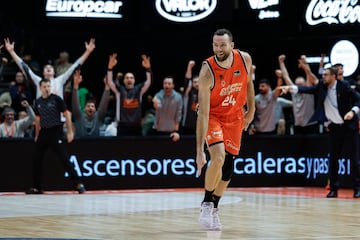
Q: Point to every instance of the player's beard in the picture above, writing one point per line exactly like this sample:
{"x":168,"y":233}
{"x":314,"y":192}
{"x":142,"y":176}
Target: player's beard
{"x":223,"y":57}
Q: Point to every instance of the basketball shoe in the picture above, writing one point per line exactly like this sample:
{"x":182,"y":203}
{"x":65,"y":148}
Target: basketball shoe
{"x":206,"y":214}
{"x":216,"y":224}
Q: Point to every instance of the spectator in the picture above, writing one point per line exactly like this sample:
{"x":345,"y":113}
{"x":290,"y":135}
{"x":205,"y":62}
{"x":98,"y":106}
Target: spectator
{"x":265,"y":105}
{"x":304,"y":105}
{"x":12,"y":128}
{"x":20,"y":91}
{"x":168,"y":106}
{"x":58,"y":82}
{"x":5,"y":100}
{"x":338,"y":103}
{"x":88,"y":124}
{"x":129,"y":97}
{"x":29,"y":131}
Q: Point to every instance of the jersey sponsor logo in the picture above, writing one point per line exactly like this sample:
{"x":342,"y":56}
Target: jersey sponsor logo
{"x":185,"y":10}
{"x":83,"y":8}
{"x":235,"y":87}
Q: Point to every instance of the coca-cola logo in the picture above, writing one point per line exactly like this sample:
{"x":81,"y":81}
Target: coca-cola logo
{"x":332,"y":12}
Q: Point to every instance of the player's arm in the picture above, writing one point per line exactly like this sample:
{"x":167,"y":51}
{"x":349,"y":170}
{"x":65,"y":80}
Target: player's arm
{"x":205,"y":83}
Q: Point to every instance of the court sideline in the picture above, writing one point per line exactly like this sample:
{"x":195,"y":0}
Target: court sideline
{"x":246,"y":213}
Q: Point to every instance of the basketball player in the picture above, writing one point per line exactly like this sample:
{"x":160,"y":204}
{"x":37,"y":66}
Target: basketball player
{"x":225,"y":90}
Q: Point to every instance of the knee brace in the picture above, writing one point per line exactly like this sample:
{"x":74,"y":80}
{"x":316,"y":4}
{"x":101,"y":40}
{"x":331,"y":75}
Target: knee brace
{"x":228,"y":167}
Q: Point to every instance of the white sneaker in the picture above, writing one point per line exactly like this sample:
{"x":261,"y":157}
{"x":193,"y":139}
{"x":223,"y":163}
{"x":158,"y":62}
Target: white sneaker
{"x":216,"y":226}
{"x":206,"y":214}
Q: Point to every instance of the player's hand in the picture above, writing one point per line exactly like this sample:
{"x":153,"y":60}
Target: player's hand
{"x":200,"y":161}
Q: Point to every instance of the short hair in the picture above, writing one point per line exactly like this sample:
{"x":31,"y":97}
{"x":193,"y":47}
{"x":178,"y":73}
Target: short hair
{"x":8,"y":110}
{"x":333,"y":70}
{"x":43,"y":80}
{"x":264,"y":80}
{"x":91,"y":100}
{"x":338,"y":65}
{"x":222,"y":32}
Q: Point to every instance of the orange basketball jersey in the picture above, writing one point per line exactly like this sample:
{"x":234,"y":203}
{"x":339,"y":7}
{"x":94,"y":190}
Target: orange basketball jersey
{"x":228,"y":94}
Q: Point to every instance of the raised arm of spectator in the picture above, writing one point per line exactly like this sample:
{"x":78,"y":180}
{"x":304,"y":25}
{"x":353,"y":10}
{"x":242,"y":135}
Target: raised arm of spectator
{"x":10,"y":47}
{"x":89,"y":48}
{"x":110,"y":75}
{"x":284,"y":71}
{"x":311,"y":78}
{"x":104,"y":101}
{"x":110,"y":81}
{"x":149,"y":78}
{"x":30,"y":118}
{"x":279,"y":78}
{"x":188,"y":77}
{"x":28,"y":73}
{"x":321,"y":64}
{"x":75,"y":103}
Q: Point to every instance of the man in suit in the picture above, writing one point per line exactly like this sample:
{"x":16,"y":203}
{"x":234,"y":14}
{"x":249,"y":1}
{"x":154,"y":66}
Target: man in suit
{"x":338,"y":103}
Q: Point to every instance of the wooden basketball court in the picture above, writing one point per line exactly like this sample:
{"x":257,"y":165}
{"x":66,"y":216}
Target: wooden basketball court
{"x":245,"y":213}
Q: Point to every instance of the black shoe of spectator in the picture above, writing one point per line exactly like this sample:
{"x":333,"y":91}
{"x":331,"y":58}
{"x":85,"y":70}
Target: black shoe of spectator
{"x":34,"y":191}
{"x":80,"y":188}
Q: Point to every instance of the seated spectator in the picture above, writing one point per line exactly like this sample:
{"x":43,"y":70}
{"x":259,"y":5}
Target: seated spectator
{"x":30,"y":131}
{"x":20,"y":91}
{"x":12,"y":128}
{"x":5,"y":101}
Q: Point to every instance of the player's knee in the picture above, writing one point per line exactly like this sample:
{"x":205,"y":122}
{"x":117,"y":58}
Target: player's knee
{"x":228,"y":167}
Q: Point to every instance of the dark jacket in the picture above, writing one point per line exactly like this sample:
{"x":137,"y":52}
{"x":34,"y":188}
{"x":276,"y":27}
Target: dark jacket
{"x":346,"y":99}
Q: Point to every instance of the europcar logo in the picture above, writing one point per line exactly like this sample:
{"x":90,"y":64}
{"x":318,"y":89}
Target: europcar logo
{"x":83,"y":8}
{"x":185,"y":10}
